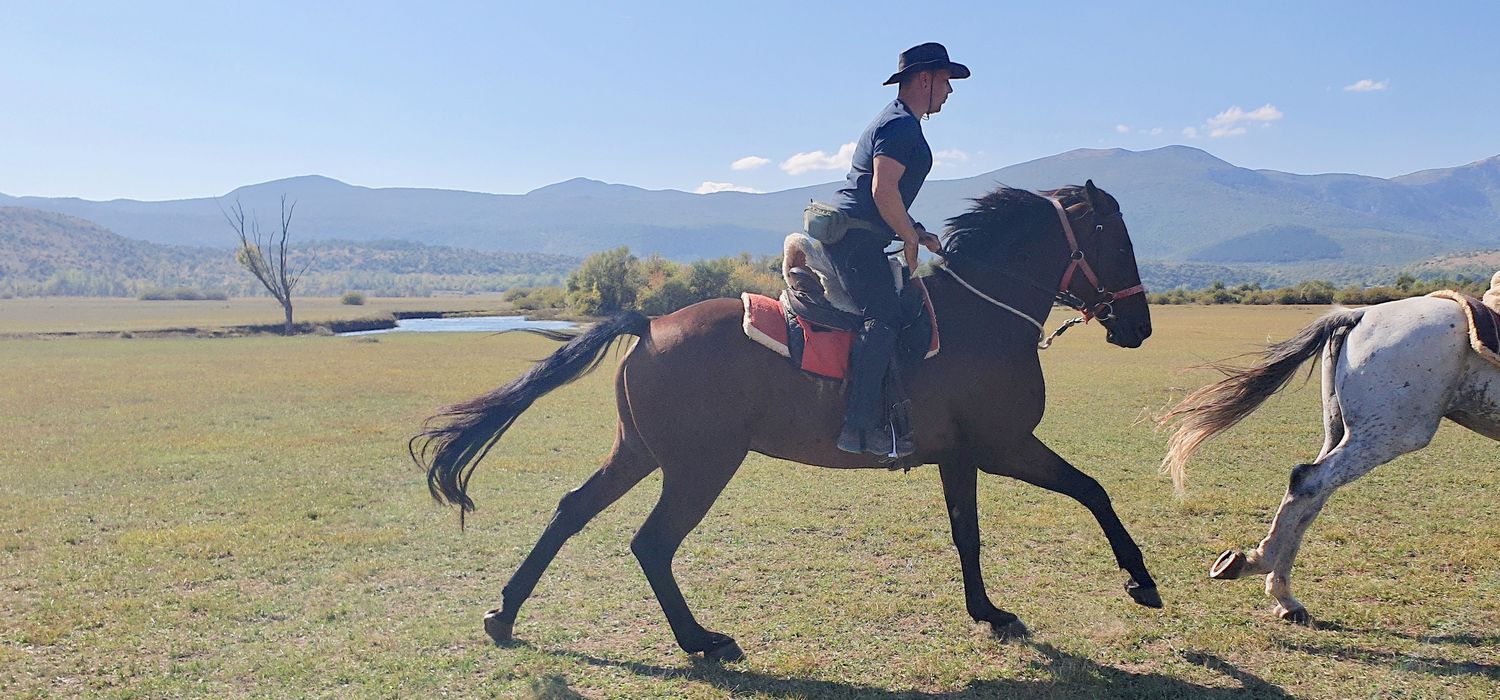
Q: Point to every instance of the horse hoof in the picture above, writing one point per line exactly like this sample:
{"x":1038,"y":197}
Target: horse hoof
{"x":1009,"y":631}
{"x":1296,"y":616}
{"x":1146,"y":596}
{"x":726,"y":651}
{"x":1228,"y":566}
{"x":497,"y":628}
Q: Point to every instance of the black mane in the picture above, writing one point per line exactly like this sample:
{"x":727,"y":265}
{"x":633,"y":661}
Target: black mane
{"x":1002,"y":216}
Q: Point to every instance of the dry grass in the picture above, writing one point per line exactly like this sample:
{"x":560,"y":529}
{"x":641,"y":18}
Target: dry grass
{"x":237,"y":518}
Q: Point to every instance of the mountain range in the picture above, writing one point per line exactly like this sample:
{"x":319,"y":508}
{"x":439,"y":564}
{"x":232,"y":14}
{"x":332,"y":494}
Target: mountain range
{"x":46,"y":253}
{"x":1183,"y":205}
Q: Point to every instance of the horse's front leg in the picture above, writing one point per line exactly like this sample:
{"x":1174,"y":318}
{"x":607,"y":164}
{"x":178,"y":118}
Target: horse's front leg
{"x":1035,"y":463}
{"x":959,"y":490}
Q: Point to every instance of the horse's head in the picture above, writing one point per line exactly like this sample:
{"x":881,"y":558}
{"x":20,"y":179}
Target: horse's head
{"x":1115,"y":295}
{"x":1068,"y":244}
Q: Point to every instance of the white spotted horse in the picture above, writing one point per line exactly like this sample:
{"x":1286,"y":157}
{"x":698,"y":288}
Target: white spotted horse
{"x":1390,"y":374}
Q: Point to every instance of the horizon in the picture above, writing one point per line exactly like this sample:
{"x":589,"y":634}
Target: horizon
{"x":587,"y":178}
{"x":160,"y":101}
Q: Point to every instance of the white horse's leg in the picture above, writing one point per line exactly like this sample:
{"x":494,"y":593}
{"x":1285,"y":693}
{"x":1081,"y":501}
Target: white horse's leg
{"x":1310,"y":487}
{"x":1235,"y":564}
{"x":1333,"y":414}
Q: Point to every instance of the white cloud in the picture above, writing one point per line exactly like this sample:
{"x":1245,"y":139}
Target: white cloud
{"x":950,"y":156}
{"x":818,"y":160}
{"x":1232,"y":121}
{"x":1122,"y":129}
{"x":709,"y":187}
{"x":1367,"y":85}
{"x":1156,"y":131}
{"x":1190,"y":132}
{"x":749,"y":163}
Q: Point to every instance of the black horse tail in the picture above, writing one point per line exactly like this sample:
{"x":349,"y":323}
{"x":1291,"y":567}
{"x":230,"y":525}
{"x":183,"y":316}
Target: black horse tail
{"x":1219,"y":406}
{"x":456,"y":438}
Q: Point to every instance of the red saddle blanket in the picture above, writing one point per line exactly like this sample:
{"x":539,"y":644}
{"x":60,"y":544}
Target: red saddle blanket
{"x":1484,"y":323}
{"x":824,"y":350}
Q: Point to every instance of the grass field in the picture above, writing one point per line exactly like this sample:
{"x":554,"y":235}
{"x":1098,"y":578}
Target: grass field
{"x":92,"y":315}
{"x":238,"y":518}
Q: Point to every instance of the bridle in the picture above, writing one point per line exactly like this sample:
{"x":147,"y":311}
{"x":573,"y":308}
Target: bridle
{"x":1102,"y":307}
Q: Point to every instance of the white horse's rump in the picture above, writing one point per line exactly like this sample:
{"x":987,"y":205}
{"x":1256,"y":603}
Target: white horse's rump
{"x":1391,"y":373}
{"x":1492,"y":297}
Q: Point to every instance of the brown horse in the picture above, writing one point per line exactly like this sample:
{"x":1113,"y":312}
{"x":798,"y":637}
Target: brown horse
{"x":695,"y":396}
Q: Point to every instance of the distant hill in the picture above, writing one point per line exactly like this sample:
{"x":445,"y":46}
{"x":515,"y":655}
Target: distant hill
{"x":1272,"y":244}
{"x":46,"y":252}
{"x":1179,"y":203}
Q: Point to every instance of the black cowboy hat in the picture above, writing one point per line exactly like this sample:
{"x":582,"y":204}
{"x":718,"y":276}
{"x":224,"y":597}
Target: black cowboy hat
{"x":928,"y":56}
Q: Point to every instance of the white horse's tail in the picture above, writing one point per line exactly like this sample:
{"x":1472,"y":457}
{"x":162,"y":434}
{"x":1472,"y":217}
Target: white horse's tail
{"x":1219,"y":406}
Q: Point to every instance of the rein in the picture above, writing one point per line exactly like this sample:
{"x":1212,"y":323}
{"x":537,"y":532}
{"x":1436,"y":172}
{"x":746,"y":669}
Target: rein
{"x":1102,"y":307}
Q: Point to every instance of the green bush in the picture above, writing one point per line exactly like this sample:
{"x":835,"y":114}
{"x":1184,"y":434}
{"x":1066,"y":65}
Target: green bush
{"x":671,"y":295}
{"x":606,"y":283}
{"x":538,"y":298}
{"x":352,"y":299}
{"x":181,"y":294}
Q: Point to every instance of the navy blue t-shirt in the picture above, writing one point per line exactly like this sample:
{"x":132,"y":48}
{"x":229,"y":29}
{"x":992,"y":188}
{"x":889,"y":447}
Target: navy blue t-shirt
{"x":896,"y":133}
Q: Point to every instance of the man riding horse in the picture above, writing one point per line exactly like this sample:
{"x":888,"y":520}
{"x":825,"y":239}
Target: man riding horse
{"x":891,"y":160}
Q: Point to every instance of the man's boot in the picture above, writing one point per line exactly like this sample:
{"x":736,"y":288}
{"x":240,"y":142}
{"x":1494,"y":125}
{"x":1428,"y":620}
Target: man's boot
{"x":864,"y":419}
{"x":899,"y":416}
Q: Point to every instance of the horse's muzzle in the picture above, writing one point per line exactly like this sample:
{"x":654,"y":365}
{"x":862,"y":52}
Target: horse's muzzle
{"x":1127,"y":335}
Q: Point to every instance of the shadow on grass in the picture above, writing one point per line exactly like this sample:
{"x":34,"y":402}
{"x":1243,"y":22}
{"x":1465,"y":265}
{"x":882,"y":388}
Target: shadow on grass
{"x":1072,"y":676}
{"x":1457,"y":639}
{"x":1396,"y":659}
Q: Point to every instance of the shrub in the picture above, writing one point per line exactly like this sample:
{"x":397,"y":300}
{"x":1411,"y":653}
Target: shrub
{"x":181,"y":294}
{"x":538,"y":298}
{"x":352,"y":299}
{"x":606,"y":283}
{"x":671,"y":295}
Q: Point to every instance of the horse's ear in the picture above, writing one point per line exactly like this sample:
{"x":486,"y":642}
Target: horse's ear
{"x":1098,"y":201}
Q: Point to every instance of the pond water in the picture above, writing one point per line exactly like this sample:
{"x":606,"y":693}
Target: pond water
{"x":470,"y":324}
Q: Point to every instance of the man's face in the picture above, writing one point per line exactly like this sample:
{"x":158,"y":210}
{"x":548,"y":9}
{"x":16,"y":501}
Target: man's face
{"x":942,"y":87}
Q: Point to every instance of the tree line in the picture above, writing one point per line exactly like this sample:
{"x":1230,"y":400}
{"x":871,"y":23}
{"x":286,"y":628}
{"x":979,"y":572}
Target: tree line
{"x":616,"y":280}
{"x":1321,"y":292}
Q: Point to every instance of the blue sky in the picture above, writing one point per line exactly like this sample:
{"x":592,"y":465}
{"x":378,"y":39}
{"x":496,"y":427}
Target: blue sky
{"x":169,"y":100}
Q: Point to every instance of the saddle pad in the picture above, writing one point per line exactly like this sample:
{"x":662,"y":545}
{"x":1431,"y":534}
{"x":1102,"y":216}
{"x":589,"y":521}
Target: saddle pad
{"x":1484,"y":324}
{"x":823,"y":351}
{"x":765,"y":323}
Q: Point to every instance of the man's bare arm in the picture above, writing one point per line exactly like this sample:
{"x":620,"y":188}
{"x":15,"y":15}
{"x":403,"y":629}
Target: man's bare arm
{"x":888,"y":201}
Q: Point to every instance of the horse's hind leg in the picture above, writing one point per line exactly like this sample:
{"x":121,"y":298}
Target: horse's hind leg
{"x":628,"y":463}
{"x":689,"y":489}
{"x":1382,"y":414}
{"x":1308,"y":490}
{"x":1233,"y":564}
{"x":1333,"y":413}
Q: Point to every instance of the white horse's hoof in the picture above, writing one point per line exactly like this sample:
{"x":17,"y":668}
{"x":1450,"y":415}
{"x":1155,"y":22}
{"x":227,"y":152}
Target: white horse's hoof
{"x":1228,"y":566}
{"x":1296,"y":616}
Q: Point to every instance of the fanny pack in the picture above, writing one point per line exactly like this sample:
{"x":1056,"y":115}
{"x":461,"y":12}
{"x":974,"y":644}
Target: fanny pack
{"x":827,"y":224}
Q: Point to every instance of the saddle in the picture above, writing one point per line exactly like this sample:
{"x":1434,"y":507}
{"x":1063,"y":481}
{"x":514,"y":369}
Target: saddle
{"x":1484,"y":323}
{"x":814,"y":321}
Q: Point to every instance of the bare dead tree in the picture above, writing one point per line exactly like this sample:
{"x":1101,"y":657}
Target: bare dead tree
{"x":265,"y":256}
